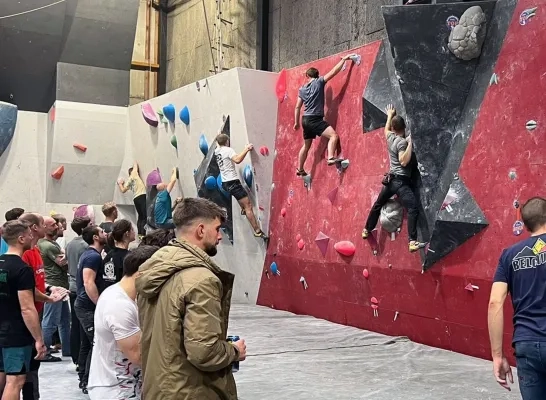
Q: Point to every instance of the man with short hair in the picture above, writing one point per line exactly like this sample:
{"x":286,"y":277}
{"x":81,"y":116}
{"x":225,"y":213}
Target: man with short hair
{"x":89,"y":285}
{"x":19,"y":322}
{"x":115,"y":364}
{"x":56,"y":315}
{"x":61,"y":222}
{"x":161,"y":216}
{"x":311,"y":95}
{"x":183,"y":292}
{"x":11,"y":215}
{"x":398,"y":180}
{"x":522,"y":273}
{"x":226,"y":158}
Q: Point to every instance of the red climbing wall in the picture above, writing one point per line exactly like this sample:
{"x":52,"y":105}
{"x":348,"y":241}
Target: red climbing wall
{"x":433,"y":308}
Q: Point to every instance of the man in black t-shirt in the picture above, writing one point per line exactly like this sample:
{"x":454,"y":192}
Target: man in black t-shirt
{"x":19,"y":322}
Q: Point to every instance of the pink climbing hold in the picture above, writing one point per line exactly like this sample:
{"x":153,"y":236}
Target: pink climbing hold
{"x":345,"y":248}
{"x":264,"y":151}
{"x":283,"y":212}
{"x":301,"y":244}
{"x":148,"y":114}
{"x":373,"y":300}
{"x":322,"y":242}
{"x":375,"y":306}
{"x":332,"y":195}
{"x":298,"y":237}
{"x":289,"y":201}
{"x":365,"y":273}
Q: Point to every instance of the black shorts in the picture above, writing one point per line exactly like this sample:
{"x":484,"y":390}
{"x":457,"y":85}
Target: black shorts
{"x":235,"y":189}
{"x":313,"y":126}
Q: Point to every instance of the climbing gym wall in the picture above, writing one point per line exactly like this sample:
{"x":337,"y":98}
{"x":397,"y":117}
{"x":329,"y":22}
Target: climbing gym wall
{"x":476,"y":125}
{"x":179,"y":132}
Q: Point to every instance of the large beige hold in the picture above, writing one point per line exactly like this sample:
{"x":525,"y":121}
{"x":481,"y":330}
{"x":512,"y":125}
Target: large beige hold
{"x":466,"y":39}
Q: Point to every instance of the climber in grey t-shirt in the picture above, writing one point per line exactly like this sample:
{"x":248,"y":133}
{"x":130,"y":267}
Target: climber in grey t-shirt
{"x":399,"y":178}
{"x":311,"y":95}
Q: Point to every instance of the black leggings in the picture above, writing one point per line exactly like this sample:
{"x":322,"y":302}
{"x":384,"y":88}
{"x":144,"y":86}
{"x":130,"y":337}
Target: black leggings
{"x":402,"y":187}
{"x":140,"y":205}
{"x":74,"y":330}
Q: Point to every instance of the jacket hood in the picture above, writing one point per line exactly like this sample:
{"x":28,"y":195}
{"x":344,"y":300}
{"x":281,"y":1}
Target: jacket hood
{"x":168,"y":261}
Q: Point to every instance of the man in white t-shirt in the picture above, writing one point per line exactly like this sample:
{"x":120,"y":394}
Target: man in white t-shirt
{"x":226,"y":158}
{"x":115,"y":371}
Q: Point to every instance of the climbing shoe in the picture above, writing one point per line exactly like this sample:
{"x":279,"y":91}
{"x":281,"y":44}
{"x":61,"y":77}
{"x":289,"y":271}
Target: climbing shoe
{"x":365,"y":234}
{"x":333,"y":160}
{"x":301,"y":172}
{"x":260,"y":234}
{"x":414,"y":245}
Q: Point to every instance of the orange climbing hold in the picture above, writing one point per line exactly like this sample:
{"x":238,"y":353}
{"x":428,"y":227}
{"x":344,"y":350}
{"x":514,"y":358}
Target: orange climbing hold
{"x":345,"y":248}
{"x":58,"y":173}
{"x":80,"y":147}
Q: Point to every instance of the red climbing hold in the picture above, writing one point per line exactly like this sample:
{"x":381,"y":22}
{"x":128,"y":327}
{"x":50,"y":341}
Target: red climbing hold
{"x":80,"y":147}
{"x":345,"y":248}
{"x":280,"y":88}
{"x":283,"y":212}
{"x":365,"y":273}
{"x":373,"y":300}
{"x":298,"y":237}
{"x":52,"y":114}
{"x":332,"y":195}
{"x":322,"y":242}
{"x":301,"y":244}
{"x":375,"y":306}
{"x":264,"y":151}
{"x":58,"y":173}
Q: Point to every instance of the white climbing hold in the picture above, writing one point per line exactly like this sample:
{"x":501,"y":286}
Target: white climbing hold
{"x":494,"y":79}
{"x":531,"y":125}
{"x":304,"y":283}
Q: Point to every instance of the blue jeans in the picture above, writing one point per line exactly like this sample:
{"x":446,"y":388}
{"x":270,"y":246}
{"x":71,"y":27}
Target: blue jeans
{"x":57,"y":315}
{"x":531,"y":365}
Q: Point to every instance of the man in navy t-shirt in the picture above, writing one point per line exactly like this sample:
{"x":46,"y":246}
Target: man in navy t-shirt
{"x":522,"y":273}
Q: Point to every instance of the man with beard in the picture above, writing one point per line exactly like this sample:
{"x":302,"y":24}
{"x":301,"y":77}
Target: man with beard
{"x":88,"y":285}
{"x":56,"y":315}
{"x":194,"y":359}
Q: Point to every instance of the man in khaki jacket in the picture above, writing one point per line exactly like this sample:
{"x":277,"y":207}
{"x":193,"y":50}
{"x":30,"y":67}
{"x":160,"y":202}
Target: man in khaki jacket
{"x":183,"y":301}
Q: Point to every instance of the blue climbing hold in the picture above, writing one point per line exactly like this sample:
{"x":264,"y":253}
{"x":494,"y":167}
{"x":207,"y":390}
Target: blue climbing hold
{"x":274,"y":268}
{"x":169,"y":112}
{"x":210,"y":183}
{"x":247,"y":174}
{"x":185,"y":115}
{"x":220,"y":188}
{"x":203,"y":145}
{"x":8,"y":120}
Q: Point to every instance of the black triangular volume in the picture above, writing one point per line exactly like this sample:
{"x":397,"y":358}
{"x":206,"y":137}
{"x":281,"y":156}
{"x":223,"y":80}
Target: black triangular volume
{"x":459,"y":206}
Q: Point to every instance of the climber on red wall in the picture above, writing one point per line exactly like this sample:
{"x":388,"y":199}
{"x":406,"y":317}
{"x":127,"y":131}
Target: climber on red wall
{"x":522,"y":273}
{"x":398,"y":180}
{"x":314,"y":125}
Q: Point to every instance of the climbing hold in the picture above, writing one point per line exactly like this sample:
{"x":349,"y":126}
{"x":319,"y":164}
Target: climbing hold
{"x":162,"y":118}
{"x":526,"y":15}
{"x":80,"y":147}
{"x":304,"y":283}
{"x":210,"y":183}
{"x":51,"y":114}
{"x":153,"y":178}
{"x":149,"y":114}
{"x":333,"y":194}
{"x":274,"y":269}
{"x":345,"y":248}
{"x":220,"y":187}
{"x":452,"y":21}
{"x":283,"y":212}
{"x":185,"y":115}
{"x":203,"y":145}
{"x":174,"y":142}
{"x":280,"y":87}
{"x":272,"y":186}
{"x":494,"y":80}
{"x":365,"y":273}
{"x":391,"y":216}
{"x":58,"y":173}
{"x":264,"y":151}
{"x":395,"y":316}
{"x":466,"y":39}
{"x":301,"y":244}
{"x":373,"y":300}
{"x":344,"y":164}
{"x":374,"y":308}
{"x":322,"y":242}
{"x":194,"y":171}
{"x":470,"y":287}
{"x":84,"y":211}
{"x":298,"y":237}
{"x":531,"y":125}
{"x":307,"y":182}
{"x":169,"y":112}
{"x":247,"y":174}
{"x":355,"y":58}
{"x":512,"y":174}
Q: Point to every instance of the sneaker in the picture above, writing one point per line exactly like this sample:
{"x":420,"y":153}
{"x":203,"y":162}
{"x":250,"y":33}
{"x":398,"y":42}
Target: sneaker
{"x":84,"y":390}
{"x":414,"y":245}
{"x":50,"y":358}
{"x":333,"y":160}
{"x":365,"y":234}
{"x":260,"y":234}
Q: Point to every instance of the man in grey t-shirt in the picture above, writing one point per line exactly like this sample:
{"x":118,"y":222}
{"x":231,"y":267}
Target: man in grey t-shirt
{"x":399,"y":179}
{"x":311,"y":95}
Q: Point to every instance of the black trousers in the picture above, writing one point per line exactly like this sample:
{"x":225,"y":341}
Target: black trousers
{"x":140,"y":206}
{"x":75,"y":328}
{"x":402,"y":187}
{"x":87,"y":334}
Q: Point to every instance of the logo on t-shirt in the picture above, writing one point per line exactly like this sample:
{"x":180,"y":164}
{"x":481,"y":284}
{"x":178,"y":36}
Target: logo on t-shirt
{"x":109,"y":271}
{"x":530,"y":257}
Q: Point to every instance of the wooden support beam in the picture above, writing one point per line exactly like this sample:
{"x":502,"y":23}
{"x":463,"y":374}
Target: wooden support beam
{"x":144,"y":66}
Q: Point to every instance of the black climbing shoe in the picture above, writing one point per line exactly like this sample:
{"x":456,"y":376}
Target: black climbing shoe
{"x":301,"y":172}
{"x":333,"y":160}
{"x":414,"y":245}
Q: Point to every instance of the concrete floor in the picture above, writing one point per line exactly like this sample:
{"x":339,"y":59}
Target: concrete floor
{"x":296,"y":357}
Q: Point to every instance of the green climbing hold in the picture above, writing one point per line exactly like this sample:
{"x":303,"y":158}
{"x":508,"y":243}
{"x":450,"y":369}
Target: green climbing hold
{"x":174,"y":142}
